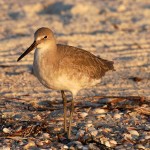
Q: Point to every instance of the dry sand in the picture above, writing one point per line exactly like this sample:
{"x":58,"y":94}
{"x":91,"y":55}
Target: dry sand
{"x":115,"y":30}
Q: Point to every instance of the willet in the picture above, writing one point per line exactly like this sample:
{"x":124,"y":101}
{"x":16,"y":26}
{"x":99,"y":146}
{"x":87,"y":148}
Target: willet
{"x":63,"y":67}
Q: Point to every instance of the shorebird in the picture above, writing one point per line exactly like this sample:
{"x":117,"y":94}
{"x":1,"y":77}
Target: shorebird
{"x":63,"y":67}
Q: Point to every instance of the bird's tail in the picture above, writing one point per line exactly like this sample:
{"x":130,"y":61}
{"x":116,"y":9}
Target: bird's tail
{"x":108,"y":64}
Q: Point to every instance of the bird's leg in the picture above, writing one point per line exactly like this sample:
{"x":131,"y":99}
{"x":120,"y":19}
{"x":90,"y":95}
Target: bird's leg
{"x":70,"y":119}
{"x":65,"y":109}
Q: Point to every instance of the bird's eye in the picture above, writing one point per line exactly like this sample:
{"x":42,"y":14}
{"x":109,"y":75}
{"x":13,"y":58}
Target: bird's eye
{"x":45,"y":37}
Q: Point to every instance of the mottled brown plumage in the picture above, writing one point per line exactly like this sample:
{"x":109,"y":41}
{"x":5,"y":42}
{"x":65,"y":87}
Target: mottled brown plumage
{"x":82,"y":61}
{"x":64,"y":67}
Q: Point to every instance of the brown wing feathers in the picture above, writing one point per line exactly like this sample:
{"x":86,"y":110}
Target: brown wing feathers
{"x":84,"y":61}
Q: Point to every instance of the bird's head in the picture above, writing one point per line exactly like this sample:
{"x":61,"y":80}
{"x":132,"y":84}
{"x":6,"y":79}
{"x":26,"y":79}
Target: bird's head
{"x":43,"y":38}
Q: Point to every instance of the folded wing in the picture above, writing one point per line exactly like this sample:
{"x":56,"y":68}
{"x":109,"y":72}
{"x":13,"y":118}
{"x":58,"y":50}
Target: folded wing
{"x":83,"y":62}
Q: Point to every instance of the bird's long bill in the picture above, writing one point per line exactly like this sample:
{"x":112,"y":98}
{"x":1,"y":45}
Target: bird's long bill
{"x":33,"y":45}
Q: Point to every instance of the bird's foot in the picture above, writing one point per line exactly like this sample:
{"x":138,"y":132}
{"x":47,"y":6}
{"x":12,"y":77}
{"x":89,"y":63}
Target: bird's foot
{"x":63,"y":138}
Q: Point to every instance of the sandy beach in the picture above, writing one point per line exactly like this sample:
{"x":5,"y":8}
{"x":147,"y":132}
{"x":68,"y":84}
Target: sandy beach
{"x":112,"y":115}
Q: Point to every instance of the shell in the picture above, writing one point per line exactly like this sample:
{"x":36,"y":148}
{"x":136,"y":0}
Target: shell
{"x":83,"y":114}
{"x":6,"y":130}
{"x":100,"y":111}
{"x":117,"y":116}
{"x":133,"y":132}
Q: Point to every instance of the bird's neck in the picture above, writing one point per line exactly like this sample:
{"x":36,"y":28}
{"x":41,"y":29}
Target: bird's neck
{"x":46,"y":53}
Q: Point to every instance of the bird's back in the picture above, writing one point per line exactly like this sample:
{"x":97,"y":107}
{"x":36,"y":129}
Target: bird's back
{"x":78,"y":62}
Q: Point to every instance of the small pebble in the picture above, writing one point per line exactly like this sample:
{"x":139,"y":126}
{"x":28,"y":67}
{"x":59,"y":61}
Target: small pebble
{"x":127,"y":136}
{"x":121,"y":8}
{"x":18,"y":128}
{"x":103,"y":139}
{"x":66,"y":147}
{"x":100,"y":116}
{"x":133,"y":114}
{"x":140,"y":146}
{"x":4,"y":148}
{"x":107,"y":143}
{"x":85,"y":148}
{"x":6,"y":130}
{"x":38,"y":117}
{"x":57,"y":129}
{"x":105,"y":130}
{"x":80,"y":133}
{"x":92,"y":131}
{"x":71,"y":148}
{"x":29,"y":145}
{"x":79,"y":146}
{"x":147,"y":137}
{"x":133,"y":132}
{"x":117,"y":116}
{"x":21,"y":143}
{"x":89,"y":125}
{"x":92,"y":146}
{"x":40,"y":143}
{"x":113,"y":143}
{"x":46,"y":136}
{"x":100,"y":111}
{"x":89,"y":121}
{"x":83,"y":114}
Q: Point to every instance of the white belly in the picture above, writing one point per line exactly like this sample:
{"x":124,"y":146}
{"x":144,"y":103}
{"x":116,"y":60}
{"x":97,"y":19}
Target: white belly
{"x":62,"y":81}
